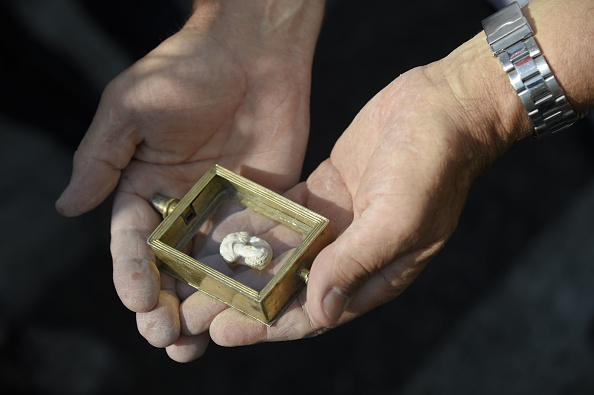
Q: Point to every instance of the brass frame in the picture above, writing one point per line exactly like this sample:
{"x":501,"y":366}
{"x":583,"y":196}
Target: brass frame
{"x":180,"y":225}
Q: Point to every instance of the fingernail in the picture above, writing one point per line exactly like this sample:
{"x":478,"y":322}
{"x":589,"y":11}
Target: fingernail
{"x":335,"y":302}
{"x":62,"y":206}
{"x":59,"y":205}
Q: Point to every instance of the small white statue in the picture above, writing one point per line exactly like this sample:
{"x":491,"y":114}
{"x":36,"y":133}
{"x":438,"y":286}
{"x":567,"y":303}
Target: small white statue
{"x":245,"y":249}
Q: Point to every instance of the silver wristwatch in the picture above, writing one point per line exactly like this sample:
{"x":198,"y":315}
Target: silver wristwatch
{"x":512,"y":40}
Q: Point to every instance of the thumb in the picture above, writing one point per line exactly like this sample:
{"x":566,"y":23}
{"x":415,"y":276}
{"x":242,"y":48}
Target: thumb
{"x":97,"y":164}
{"x":340,"y":269}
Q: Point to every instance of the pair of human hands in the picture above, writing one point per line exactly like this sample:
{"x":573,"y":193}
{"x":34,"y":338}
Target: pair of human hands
{"x":393,"y":187}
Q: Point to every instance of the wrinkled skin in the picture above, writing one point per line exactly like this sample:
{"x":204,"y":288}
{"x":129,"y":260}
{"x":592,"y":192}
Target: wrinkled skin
{"x":160,"y":125}
{"x":393,"y":187}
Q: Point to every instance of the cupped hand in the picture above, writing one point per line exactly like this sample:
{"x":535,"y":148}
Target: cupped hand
{"x":393,"y":189}
{"x":209,"y":94}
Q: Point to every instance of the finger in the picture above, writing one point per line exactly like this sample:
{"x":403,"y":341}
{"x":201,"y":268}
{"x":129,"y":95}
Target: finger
{"x":199,"y":309}
{"x":188,"y":348}
{"x":325,"y":193}
{"x":135,"y":274}
{"x":389,"y":282}
{"x":161,"y":326}
{"x":232,"y":328}
{"x":104,"y":151}
{"x":366,"y":247}
{"x":184,"y":290}
{"x":197,"y":312}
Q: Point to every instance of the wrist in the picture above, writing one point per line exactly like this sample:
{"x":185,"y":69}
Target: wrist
{"x":480,"y":100}
{"x":480,"y":93}
{"x":283,"y":27}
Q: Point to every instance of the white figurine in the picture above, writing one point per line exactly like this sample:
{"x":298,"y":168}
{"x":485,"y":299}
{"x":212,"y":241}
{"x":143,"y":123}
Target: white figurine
{"x":245,"y":249}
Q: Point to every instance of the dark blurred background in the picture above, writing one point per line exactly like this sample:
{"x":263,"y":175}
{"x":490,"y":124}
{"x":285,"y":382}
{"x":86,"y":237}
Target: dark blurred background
{"x":507,"y":307}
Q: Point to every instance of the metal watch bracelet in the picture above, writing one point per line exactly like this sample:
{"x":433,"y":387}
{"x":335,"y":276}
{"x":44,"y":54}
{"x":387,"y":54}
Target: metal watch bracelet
{"x":512,"y":40}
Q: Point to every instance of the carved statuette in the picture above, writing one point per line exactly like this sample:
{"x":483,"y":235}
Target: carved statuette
{"x":244,"y":249}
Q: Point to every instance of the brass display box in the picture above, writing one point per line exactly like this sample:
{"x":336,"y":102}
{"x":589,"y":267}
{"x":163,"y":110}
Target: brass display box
{"x":188,"y":239}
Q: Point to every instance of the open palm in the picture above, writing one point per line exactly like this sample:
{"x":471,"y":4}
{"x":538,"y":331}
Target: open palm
{"x":192,"y":102}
